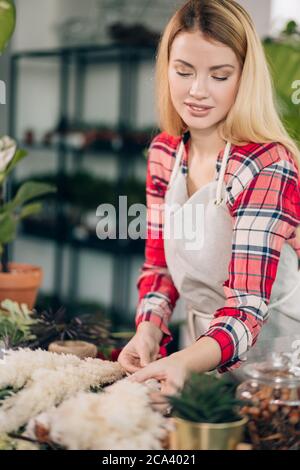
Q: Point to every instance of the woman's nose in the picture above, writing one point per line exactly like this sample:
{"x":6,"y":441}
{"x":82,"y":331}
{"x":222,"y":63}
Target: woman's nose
{"x":199,"y":89}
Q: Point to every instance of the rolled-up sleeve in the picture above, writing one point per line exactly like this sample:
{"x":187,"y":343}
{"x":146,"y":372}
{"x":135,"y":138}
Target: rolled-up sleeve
{"x":157,"y":292}
{"x":265,"y":214}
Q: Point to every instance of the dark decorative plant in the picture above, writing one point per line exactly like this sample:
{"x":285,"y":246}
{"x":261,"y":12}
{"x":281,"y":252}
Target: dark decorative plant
{"x":52,"y":326}
{"x":20,"y":327}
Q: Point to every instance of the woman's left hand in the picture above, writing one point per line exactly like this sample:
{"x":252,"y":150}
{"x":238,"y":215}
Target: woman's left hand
{"x":170,"y":371}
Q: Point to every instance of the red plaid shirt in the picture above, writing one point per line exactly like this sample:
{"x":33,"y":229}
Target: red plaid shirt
{"x":263,"y":199}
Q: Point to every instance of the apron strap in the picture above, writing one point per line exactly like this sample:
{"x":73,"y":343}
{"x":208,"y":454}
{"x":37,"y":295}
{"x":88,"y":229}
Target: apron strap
{"x":219,"y":198}
{"x":177,"y":162}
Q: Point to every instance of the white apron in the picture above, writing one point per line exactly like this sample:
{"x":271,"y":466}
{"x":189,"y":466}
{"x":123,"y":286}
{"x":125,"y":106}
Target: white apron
{"x":199,"y":273}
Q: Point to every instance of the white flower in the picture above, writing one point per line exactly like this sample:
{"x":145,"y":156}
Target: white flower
{"x":8,"y":149}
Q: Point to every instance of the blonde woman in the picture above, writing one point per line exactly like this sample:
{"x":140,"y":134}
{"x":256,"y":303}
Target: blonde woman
{"x":223,"y":148}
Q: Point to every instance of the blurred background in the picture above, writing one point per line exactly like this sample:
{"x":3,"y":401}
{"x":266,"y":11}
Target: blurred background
{"x":80,"y":100}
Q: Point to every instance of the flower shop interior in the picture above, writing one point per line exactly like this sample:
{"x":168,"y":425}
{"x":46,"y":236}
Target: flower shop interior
{"x":77,"y":99}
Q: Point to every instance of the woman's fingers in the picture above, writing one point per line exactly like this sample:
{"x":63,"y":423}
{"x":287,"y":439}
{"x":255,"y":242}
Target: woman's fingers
{"x":145,"y":357}
{"x":149,"y":353}
{"x":161,"y":408}
{"x":130,"y":363}
{"x":173,"y":383}
{"x":158,"y":398}
{"x":159,"y":402}
{"x":149,"y":372}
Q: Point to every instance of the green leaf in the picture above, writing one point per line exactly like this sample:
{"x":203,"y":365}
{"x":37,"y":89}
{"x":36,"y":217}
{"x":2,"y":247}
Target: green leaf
{"x":16,"y":322}
{"x":19,"y":155}
{"x":30,"y":209}
{"x":5,"y":393}
{"x":28,"y":191}
{"x":8,"y":227}
{"x":7,"y":22}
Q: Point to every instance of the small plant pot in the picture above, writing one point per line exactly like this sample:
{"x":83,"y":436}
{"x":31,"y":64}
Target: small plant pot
{"x":188,"y":435}
{"x":80,"y":349}
{"x":21,"y":284}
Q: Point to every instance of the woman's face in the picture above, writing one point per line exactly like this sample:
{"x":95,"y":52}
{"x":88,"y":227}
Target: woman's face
{"x":202,"y":73}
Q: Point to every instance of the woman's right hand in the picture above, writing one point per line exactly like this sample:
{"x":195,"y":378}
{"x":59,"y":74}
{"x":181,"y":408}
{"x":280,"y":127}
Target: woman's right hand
{"x":142,"y":349}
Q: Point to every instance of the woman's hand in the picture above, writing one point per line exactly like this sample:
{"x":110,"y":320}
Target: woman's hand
{"x":142,"y":349}
{"x":171,"y":372}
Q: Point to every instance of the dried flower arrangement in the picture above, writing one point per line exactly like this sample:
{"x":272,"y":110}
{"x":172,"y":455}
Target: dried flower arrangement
{"x":33,"y":381}
{"x":119,"y":418}
{"x":56,"y":401}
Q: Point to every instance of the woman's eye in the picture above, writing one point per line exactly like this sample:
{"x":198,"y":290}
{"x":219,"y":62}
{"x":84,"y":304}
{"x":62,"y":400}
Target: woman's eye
{"x":222,"y":79}
{"x":183,"y":74}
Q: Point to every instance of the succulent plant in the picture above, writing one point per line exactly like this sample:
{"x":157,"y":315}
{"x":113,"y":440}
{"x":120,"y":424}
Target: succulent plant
{"x":206,"y":398}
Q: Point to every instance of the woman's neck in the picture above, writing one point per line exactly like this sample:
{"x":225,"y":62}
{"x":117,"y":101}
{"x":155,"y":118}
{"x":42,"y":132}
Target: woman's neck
{"x":205,"y":144}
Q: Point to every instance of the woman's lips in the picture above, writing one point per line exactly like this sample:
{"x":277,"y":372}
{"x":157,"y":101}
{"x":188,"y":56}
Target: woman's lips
{"x":195,"y":111}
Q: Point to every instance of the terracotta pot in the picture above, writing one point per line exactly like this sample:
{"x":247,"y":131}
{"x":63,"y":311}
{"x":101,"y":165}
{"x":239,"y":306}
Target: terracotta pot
{"x":21,"y":284}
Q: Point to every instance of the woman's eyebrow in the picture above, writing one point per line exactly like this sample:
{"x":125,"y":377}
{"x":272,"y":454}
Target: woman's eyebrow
{"x":214,"y":67}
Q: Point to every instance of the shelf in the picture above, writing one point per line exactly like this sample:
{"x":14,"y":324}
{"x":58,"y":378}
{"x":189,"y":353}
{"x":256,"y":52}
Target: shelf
{"x":124,"y":142}
{"x":98,"y":53}
{"x":111,"y":246}
{"x":130,"y":150}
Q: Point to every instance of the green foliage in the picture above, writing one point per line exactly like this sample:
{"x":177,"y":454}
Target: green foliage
{"x":18,"y":157}
{"x":284,"y":60}
{"x":206,"y":399}
{"x":8,"y":228}
{"x":22,"y":205}
{"x":28,"y":191}
{"x":5,"y":393}
{"x":291,"y":28}
{"x":16,"y":323}
{"x":7,"y":22}
{"x":85,"y":191}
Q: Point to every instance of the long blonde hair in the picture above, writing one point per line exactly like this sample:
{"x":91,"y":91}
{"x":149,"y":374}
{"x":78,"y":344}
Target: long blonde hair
{"x":253,"y":117}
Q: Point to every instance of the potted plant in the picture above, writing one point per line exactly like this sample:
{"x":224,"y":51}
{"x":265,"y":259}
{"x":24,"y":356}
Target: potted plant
{"x":205,"y":414}
{"x":18,"y":282}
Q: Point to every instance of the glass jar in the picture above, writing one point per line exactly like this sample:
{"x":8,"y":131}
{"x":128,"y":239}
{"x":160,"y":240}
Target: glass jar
{"x":271,"y":396}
